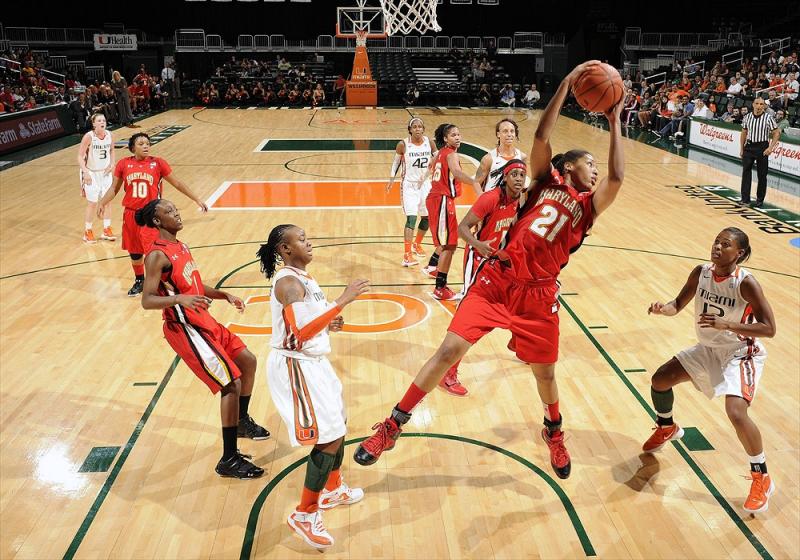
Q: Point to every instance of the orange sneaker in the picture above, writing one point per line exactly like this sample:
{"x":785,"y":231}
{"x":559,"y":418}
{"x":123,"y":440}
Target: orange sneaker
{"x":88,"y":236}
{"x":409,"y":260}
{"x":343,"y":495}
{"x":417,"y":249}
{"x":309,"y":526}
{"x":760,"y":491}
{"x":108,"y":235}
{"x":661,"y":436}
{"x":452,"y":385}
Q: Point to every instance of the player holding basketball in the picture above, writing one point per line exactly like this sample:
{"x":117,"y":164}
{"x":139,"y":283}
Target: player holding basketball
{"x":96,"y":161}
{"x":413,"y":155}
{"x":517,"y":290}
{"x":441,"y":203}
{"x":730,"y":312}
{"x":302,"y":382}
{"x":141,"y":176}
{"x":211,"y":351}
{"x":488,"y":175}
{"x":483,"y":228}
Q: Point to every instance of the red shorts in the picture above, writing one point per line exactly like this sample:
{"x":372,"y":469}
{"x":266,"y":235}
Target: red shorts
{"x":442,"y":216}
{"x":529,"y":311}
{"x":208,"y":353}
{"x":136,"y":239}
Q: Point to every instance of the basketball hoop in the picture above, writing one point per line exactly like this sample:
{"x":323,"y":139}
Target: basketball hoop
{"x":406,"y":16}
{"x":361,"y":37}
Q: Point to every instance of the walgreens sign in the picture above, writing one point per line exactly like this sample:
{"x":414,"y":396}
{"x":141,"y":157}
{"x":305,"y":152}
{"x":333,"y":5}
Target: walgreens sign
{"x":703,"y":134}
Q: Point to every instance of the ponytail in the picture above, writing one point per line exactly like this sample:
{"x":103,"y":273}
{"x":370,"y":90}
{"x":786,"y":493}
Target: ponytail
{"x":742,"y":241}
{"x":144,"y":216}
{"x":559,"y":161}
{"x":441,"y":132}
{"x":268,"y":252}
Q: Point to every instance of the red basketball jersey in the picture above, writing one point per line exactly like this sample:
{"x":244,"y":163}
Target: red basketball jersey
{"x":183,"y":277}
{"x":497,"y":214}
{"x":141,"y":179}
{"x":443,"y":183}
{"x":552,"y":224}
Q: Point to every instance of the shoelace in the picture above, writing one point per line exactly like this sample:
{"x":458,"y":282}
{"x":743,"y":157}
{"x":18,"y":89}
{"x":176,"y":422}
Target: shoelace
{"x":317,"y":523}
{"x":558,"y":449}
{"x":378,"y":439}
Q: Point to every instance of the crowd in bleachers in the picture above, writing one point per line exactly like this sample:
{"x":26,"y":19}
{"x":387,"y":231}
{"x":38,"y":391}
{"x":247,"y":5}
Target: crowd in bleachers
{"x":721,"y":93}
{"x":23,"y":84}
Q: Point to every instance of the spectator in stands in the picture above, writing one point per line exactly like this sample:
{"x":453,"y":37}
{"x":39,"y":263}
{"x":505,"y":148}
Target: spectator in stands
{"x":744,"y":111}
{"x":284,"y":65}
{"x":283,"y":95}
{"x":319,"y":95}
{"x":645,"y":109}
{"x":701,"y":110}
{"x":773,"y":101}
{"x":269,"y":97}
{"x":308,"y":96}
{"x":781,"y":120}
{"x":295,"y":95}
{"x":338,"y":88}
{"x":120,"y":87}
{"x":81,"y":110}
{"x":727,"y":115}
{"x":761,"y":81}
{"x":736,"y":116}
{"x":30,"y":103}
{"x":735,"y":88}
{"x":242,"y":96}
{"x":230,"y":94}
{"x":791,"y":88}
{"x":412,"y":95}
{"x":720,"y":88}
{"x":532,"y":97}
{"x":7,"y":99}
{"x":627,"y":83}
{"x":213,"y":94}
{"x":257,"y":95}
{"x":484,"y":96}
{"x":508,"y":96}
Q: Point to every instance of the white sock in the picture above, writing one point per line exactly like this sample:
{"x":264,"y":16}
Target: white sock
{"x":88,"y":225}
{"x":760,"y":458}
{"x":106,"y":222}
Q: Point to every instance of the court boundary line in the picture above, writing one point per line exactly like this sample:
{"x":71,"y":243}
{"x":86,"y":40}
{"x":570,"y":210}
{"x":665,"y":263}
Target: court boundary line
{"x":255,"y":510}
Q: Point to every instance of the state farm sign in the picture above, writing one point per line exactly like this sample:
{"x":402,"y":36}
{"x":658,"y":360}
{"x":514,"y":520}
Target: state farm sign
{"x":28,"y":129}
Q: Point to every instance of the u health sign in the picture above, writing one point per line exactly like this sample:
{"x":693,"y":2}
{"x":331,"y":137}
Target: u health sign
{"x":114,"y":42}
{"x":724,"y":138}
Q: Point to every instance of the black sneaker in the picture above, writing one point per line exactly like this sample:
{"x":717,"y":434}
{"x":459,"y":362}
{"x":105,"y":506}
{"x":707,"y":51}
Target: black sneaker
{"x":238,"y":466}
{"x":136,"y":289}
{"x":249,"y":429}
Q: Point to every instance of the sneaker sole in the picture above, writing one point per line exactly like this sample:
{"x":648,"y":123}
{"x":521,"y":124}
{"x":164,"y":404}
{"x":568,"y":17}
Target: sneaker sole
{"x":303,"y":536}
{"x":108,"y":238}
{"x":765,"y":507}
{"x":676,"y":435}
{"x":238,"y":477}
{"x":410,"y":264}
{"x":446,"y":390}
{"x":259,"y":438}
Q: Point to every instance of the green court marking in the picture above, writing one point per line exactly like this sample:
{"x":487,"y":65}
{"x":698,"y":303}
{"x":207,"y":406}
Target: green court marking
{"x":598,"y":327}
{"x":99,"y":459}
{"x":569,"y":293}
{"x":635,"y":370}
{"x":145,"y":384}
{"x":258,"y":504}
{"x":156,"y":137}
{"x":311,"y":145}
{"x":695,"y":441}
{"x":760,"y":548}
{"x":112,"y":477}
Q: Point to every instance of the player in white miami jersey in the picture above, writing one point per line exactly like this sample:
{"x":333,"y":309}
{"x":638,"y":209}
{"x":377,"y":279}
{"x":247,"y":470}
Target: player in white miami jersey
{"x":489,"y":174}
{"x":730,"y":312}
{"x":302,"y":383}
{"x":413,"y":155}
{"x":96,"y":161}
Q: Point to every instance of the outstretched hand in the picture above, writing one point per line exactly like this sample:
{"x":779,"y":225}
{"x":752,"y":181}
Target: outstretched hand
{"x":580,"y":69}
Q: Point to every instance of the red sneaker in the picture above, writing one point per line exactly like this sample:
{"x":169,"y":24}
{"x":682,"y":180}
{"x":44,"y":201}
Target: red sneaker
{"x":661,"y":436}
{"x":559,"y":457}
{"x":382,"y":440}
{"x":452,"y":385}
{"x":445,"y":293}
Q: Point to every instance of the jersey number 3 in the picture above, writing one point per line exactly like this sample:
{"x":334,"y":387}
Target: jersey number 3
{"x":543,"y":224}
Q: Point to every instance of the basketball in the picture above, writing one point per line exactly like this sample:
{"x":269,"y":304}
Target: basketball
{"x":599,"y":88}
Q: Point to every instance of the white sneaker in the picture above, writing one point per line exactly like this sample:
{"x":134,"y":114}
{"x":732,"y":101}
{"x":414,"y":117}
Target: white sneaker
{"x":429,"y":271}
{"x":342,"y":496}
{"x":309,"y":526}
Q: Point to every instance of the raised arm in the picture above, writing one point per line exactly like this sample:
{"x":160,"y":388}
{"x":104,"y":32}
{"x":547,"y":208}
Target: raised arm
{"x":681,"y":300}
{"x":184,"y":188}
{"x":541,"y":151}
{"x":609,"y":186}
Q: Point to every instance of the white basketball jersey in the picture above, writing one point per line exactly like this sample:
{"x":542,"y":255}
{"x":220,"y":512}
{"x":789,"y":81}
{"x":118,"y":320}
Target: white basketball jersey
{"x":498,"y":161}
{"x":99,"y":152}
{"x":416,"y":160}
{"x":723,"y":298}
{"x":282,"y":338}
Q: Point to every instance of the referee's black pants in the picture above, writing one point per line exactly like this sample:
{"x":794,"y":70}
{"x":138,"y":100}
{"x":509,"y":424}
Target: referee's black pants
{"x":754,"y":154}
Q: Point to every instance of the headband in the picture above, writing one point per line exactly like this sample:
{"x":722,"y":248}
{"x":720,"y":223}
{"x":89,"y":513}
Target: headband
{"x":518,"y":165}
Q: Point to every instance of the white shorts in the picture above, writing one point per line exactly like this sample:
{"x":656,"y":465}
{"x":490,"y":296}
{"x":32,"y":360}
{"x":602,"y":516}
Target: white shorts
{"x":308,"y":396}
{"x":724,"y":370}
{"x":101,"y":182}
{"x":413,"y":197}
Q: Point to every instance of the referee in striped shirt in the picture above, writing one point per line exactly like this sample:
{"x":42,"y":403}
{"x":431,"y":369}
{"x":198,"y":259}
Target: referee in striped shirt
{"x":760,"y":134}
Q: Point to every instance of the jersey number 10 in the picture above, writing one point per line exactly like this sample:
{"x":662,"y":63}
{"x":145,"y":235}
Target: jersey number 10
{"x":139,"y":189}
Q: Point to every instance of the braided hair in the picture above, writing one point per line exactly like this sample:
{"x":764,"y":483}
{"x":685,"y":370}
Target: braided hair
{"x":441,"y":132}
{"x":144,"y":216}
{"x":742,"y":241}
{"x":268,"y":252}
{"x":501,"y":171}
{"x":560,"y":160}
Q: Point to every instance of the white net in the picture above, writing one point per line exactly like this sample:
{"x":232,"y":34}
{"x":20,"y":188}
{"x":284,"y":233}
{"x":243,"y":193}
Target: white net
{"x":407,"y":16}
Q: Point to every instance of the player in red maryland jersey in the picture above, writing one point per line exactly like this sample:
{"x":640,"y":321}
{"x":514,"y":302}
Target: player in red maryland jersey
{"x":215,"y":355}
{"x":489,"y":219}
{"x":516,"y":289}
{"x":441,"y":204}
{"x":141,"y":176}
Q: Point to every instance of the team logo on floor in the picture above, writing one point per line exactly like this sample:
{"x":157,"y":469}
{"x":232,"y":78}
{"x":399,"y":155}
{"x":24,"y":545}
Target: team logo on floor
{"x":156,"y":134}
